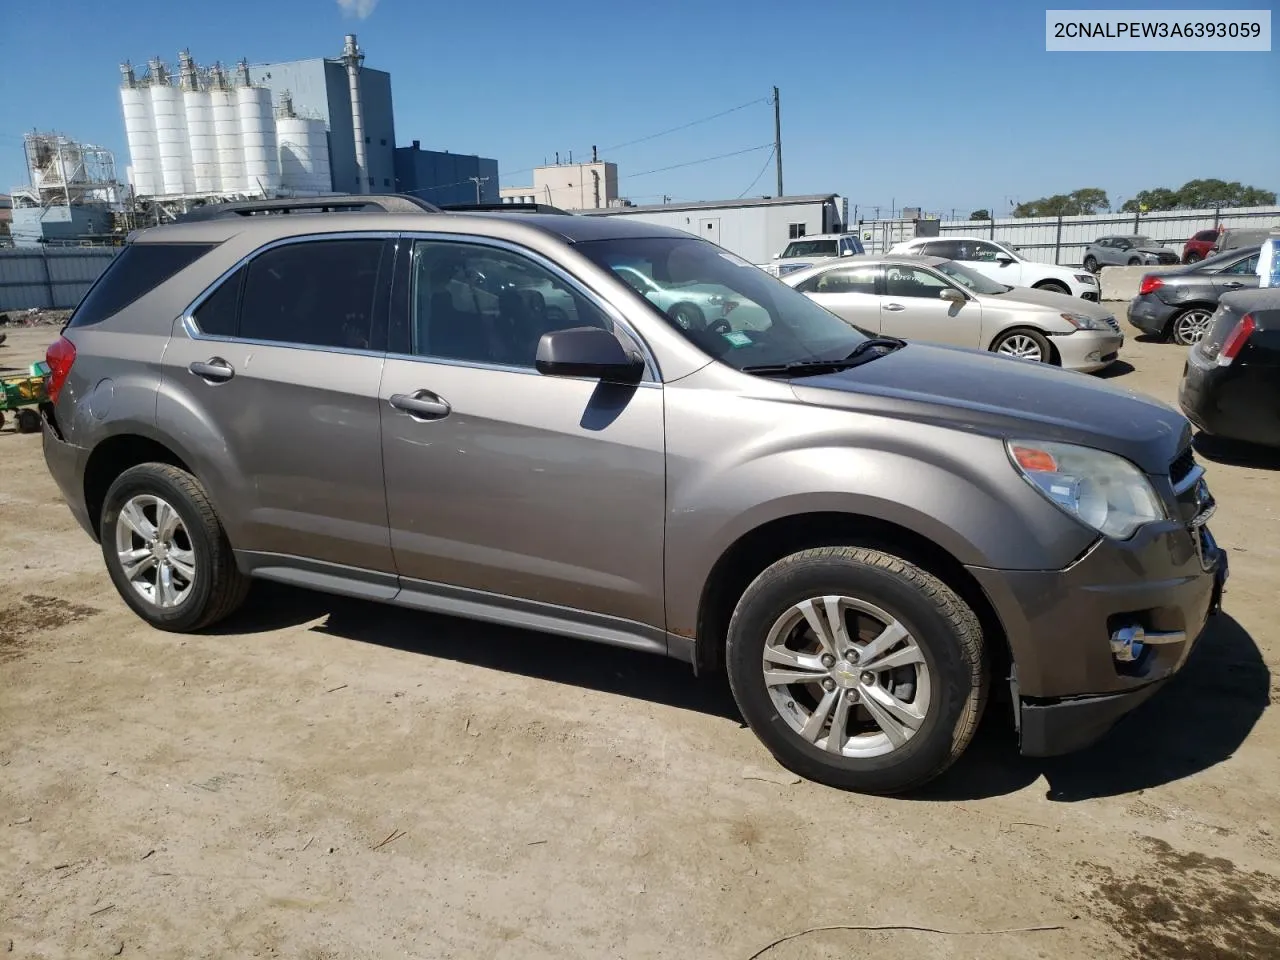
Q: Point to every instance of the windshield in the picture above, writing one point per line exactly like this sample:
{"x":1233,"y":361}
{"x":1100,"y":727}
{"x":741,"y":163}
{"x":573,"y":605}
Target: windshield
{"x":732,"y":310}
{"x":810,"y":248}
{"x":971,"y":279}
{"x":1145,"y":242}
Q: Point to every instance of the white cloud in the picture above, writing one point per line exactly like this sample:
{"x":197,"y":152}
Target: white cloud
{"x":360,"y":9}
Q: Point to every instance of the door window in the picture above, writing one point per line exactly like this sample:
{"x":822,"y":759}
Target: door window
{"x":486,"y":305}
{"x":984,"y":252}
{"x":218,"y":314}
{"x":900,"y":281}
{"x":946,"y":249}
{"x":1249,"y":265}
{"x":318,"y":293}
{"x":860,"y":279}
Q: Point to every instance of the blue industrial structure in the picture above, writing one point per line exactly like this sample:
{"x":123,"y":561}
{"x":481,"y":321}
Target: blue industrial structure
{"x":444,"y":178}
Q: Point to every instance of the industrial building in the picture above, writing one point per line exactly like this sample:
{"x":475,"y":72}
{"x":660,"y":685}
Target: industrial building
{"x":756,"y":230}
{"x":570,"y":186}
{"x":71,"y":192}
{"x":298,"y":128}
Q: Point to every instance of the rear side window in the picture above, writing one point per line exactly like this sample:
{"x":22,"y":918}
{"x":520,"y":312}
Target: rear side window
{"x":136,"y":271}
{"x":320,"y":293}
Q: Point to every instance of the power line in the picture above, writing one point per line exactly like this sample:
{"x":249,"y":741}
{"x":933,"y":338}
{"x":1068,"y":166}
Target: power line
{"x":691,"y":123}
{"x":691,"y":163}
{"x":758,"y":175}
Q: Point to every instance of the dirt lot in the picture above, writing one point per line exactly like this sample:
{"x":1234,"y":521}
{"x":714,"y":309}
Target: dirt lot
{"x":327,"y":778}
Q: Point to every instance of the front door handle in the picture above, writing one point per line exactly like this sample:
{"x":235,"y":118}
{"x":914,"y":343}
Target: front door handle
{"x":421,"y":405}
{"x":894,"y":307}
{"x":1233,"y":285}
{"x":215,"y":370}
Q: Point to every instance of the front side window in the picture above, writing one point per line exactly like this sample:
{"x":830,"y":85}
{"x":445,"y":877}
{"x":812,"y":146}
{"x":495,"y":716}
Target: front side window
{"x":901,"y":281}
{"x":984,"y":252}
{"x":318,"y":293}
{"x":975,"y":281}
{"x":860,"y":279}
{"x":487,"y":305}
{"x":1207,"y":235}
{"x":730,"y":309}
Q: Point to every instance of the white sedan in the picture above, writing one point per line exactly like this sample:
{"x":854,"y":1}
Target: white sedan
{"x":935,"y":300}
{"x":1004,"y":265}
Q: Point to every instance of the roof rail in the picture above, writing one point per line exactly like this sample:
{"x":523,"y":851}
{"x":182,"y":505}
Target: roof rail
{"x":504,"y":208}
{"x":337,"y":203}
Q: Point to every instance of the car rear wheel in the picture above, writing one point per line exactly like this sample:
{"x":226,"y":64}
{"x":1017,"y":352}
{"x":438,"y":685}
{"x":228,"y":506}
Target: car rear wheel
{"x":1091,"y":263}
{"x":1023,"y":344}
{"x":166,"y":550}
{"x":857,"y":669}
{"x":1194,"y":258}
{"x":1190,"y":326}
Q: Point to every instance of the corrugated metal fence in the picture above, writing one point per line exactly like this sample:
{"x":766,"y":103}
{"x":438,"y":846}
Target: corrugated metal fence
{"x":49,"y":277}
{"x":1063,"y":239}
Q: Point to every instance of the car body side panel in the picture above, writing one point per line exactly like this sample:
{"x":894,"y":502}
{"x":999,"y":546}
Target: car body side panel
{"x":741,"y":455}
{"x":113,"y":378}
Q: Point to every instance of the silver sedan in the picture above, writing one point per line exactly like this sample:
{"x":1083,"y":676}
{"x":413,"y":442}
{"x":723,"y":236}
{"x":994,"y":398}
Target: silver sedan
{"x":941,"y":301}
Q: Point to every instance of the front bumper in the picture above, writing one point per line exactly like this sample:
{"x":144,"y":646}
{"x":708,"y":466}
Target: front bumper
{"x":1088,"y":350}
{"x":1069,"y":688}
{"x":66,"y":465}
{"x":1150,"y":314}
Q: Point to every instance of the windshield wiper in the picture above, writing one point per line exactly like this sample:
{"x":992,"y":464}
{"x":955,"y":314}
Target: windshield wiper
{"x":809,"y":368}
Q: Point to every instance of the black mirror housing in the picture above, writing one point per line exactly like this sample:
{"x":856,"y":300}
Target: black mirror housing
{"x":589,"y":352}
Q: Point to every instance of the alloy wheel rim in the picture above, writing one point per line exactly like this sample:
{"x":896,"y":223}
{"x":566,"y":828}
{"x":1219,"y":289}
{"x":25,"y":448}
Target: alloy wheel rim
{"x":1193,"y":325}
{"x":155,"y":551}
{"x":1020,"y":346}
{"x":846,"y":676}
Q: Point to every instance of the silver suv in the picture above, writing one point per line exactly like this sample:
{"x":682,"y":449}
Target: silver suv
{"x":483,"y":415}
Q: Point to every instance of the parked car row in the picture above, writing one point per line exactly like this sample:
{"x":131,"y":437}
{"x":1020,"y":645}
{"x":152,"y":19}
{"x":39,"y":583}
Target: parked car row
{"x":1130,"y":251}
{"x":1178,"y":304}
{"x":806,"y":251}
{"x":1004,"y":264}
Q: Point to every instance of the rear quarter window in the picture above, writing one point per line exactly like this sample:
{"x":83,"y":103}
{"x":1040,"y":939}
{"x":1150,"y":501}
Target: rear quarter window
{"x":137,"y":270}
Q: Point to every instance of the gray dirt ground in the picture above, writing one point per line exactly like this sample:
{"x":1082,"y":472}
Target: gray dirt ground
{"x":325,"y":778}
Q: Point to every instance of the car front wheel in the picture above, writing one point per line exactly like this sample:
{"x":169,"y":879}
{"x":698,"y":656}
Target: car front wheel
{"x":1023,"y":344}
{"x":166,"y":550}
{"x":1091,"y":263}
{"x":857,"y":669}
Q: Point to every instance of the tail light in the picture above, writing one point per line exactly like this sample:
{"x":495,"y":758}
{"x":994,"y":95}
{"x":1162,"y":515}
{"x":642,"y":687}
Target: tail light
{"x":1150,"y":284}
{"x":60,"y":356}
{"x":1236,"y":340}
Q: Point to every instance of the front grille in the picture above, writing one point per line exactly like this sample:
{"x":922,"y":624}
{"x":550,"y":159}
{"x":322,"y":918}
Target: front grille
{"x":1182,"y":465}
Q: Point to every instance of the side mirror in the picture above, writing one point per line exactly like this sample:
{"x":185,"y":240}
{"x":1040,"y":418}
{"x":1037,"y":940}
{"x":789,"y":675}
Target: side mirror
{"x":952,"y":294}
{"x":587,"y":352}
{"x":1004,"y":261}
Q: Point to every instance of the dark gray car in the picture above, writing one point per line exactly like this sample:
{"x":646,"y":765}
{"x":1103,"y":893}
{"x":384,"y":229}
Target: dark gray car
{"x":871,"y":537}
{"x":1131,"y":250}
{"x":1178,"y":305}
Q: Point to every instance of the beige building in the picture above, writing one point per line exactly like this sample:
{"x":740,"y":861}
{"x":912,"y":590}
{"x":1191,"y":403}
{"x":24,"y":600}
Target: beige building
{"x":569,"y":186}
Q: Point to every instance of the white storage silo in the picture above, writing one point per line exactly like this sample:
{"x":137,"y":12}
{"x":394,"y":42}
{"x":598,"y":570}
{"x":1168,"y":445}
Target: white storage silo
{"x":304,"y":155}
{"x":138,"y":130}
{"x":171,"y":138}
{"x":258,"y":139}
{"x":226,"y":131}
{"x":204,"y":146}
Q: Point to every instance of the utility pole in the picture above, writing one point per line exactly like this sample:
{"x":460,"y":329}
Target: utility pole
{"x":477,"y":181}
{"x":665,"y":199}
{"x":595,"y":175}
{"x":777,"y":137}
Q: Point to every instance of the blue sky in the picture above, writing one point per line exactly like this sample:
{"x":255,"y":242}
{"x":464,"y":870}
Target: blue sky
{"x":933,"y":104}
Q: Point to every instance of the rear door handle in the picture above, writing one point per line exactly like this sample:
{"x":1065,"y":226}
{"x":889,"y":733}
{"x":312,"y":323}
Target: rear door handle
{"x":421,"y":405}
{"x":215,"y":369}
{"x":894,"y":306}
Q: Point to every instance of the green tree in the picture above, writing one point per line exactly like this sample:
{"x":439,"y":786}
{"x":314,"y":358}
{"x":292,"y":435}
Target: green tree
{"x":1086,"y":200}
{"x":980,"y":215}
{"x":1199,"y":194}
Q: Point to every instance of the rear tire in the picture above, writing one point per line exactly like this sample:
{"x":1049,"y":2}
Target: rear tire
{"x":897,"y":725}
{"x":1194,"y":258}
{"x":183,"y":575}
{"x":26,"y":421}
{"x":1189,"y":327}
{"x":1091,"y":263}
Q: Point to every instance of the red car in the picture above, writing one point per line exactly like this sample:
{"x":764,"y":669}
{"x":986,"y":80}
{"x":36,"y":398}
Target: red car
{"x":1199,"y":246}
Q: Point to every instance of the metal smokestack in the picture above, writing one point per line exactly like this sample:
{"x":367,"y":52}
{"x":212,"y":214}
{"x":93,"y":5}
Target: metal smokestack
{"x":352,"y":58}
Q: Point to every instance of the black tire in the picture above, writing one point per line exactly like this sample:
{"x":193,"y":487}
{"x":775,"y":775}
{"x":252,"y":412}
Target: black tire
{"x":1040,"y":340}
{"x":945,"y":630}
{"x":1091,"y":263}
{"x":1135,"y":262}
{"x":1053,"y":286}
{"x":1189,"y":326}
{"x":1193,"y":258}
{"x":26,"y":421}
{"x":688,"y":316}
{"x":1,"y":419}
{"x":218,"y":587}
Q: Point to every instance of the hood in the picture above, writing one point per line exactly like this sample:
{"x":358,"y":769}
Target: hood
{"x":1061,"y":302}
{"x":1155,"y":250}
{"x":996,"y":396}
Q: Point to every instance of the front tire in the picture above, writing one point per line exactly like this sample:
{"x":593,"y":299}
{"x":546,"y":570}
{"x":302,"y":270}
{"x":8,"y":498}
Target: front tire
{"x":1091,"y":263}
{"x":1135,"y":262}
{"x":1023,"y":344}
{"x":1052,"y":286}
{"x":1193,"y":258}
{"x":166,"y":550}
{"x":857,"y":669}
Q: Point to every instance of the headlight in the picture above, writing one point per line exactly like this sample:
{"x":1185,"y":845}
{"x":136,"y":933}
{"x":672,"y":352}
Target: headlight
{"x":1087,"y":278}
{"x":1081,"y":322}
{"x":1101,"y":490}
